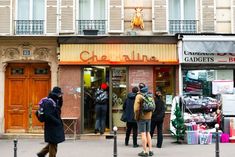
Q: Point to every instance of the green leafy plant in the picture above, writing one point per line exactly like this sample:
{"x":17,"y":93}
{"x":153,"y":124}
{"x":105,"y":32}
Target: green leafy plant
{"x":178,"y":124}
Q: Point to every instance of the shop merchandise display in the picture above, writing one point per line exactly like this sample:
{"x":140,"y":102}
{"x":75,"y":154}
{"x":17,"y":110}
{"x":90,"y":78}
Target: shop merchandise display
{"x":201,"y":110}
{"x":200,"y":117}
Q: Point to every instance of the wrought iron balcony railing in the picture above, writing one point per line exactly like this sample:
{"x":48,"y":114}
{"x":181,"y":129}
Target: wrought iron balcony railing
{"x":29,"y":27}
{"x":183,"y":26}
{"x":98,"y":26}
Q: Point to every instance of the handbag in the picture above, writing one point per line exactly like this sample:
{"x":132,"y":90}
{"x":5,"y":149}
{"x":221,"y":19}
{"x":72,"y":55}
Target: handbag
{"x":124,"y":117}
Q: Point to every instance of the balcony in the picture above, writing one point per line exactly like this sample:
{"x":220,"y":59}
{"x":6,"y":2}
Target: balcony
{"x":91,"y":27}
{"x":183,"y":26}
{"x":29,"y":27}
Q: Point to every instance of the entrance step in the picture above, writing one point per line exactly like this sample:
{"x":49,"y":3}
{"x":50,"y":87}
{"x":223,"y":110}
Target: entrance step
{"x":97,"y":136}
{"x":21,"y":136}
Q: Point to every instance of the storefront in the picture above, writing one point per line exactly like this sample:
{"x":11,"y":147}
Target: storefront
{"x":120,"y":64}
{"x":207,"y":74}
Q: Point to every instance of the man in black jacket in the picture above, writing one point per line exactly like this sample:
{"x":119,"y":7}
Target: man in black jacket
{"x":128,"y":109}
{"x":53,"y":129}
{"x":158,"y":118}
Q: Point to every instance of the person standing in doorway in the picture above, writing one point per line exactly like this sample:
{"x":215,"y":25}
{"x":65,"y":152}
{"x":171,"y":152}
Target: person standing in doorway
{"x":143,"y":121}
{"x":158,"y":118}
{"x":128,"y":109}
{"x":53,"y":129}
{"x":101,"y":105}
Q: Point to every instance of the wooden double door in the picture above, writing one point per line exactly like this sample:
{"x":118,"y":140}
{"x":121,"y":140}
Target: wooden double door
{"x":25,"y":85}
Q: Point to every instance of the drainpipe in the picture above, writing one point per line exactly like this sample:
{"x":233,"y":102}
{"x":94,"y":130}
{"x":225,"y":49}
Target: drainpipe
{"x":180,"y":51}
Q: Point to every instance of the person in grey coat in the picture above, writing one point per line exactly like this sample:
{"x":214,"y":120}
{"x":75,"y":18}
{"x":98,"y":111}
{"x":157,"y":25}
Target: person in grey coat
{"x":53,"y":129}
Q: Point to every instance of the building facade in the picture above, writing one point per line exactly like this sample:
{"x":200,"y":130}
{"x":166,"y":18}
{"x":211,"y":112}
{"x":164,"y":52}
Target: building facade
{"x":79,"y":43}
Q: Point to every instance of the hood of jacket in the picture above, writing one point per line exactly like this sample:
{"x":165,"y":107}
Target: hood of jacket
{"x":131,"y":95}
{"x":144,"y":89}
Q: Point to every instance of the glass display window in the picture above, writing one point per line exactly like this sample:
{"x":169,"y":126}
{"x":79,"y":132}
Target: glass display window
{"x":119,"y":93}
{"x":208,"y":82}
{"x":165,"y":81}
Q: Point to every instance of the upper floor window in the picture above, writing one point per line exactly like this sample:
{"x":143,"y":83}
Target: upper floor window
{"x":182,"y":16}
{"x":30,"y":17}
{"x":92,"y":16}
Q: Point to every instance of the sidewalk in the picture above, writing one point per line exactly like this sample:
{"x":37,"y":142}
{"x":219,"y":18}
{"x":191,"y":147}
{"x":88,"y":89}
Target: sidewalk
{"x":104,"y":148}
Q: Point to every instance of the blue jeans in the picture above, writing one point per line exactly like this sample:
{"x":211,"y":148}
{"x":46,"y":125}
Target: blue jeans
{"x":101,"y":111}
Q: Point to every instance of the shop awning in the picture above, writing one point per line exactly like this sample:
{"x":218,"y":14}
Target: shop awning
{"x":209,"y":43}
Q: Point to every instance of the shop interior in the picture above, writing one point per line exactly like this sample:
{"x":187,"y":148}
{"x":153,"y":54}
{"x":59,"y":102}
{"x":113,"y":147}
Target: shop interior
{"x":116,"y":79}
{"x":92,"y":78}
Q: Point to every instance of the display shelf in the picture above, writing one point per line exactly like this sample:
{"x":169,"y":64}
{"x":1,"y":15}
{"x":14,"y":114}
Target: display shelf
{"x":201,"y":110}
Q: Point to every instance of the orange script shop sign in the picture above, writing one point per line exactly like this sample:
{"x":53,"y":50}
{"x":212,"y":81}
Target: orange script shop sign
{"x":118,"y":54}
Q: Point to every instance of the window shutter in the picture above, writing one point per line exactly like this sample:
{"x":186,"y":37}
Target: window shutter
{"x":51,"y":25}
{"x":159,"y":16}
{"x":67,"y":16}
{"x":115,"y":16}
{"x":233,"y":16}
{"x":208,"y":15}
{"x":5,"y":17}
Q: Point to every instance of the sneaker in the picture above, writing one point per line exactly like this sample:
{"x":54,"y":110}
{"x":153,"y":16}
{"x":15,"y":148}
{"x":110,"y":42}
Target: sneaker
{"x":143,"y":154}
{"x":151,"y":153}
{"x":135,"y":145}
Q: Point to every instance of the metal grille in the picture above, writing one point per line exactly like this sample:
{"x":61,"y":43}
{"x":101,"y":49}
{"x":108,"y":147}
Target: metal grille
{"x":29,"y":27}
{"x":182,"y":26}
{"x":99,"y":25}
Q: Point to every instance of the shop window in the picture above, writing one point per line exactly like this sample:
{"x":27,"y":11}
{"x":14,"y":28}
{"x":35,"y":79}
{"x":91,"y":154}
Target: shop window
{"x":207,"y":82}
{"x":165,"y":81}
{"x":119,"y":93}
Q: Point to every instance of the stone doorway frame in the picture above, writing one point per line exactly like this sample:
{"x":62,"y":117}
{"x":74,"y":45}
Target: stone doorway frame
{"x":14,"y":54}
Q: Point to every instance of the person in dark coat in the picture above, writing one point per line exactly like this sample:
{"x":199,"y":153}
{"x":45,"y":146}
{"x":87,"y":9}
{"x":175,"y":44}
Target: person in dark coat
{"x":158,"y":118}
{"x":53,"y":129}
{"x":131,"y":124}
{"x":101,"y":108}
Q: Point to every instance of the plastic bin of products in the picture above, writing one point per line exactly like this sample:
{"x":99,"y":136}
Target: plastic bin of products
{"x":205,"y":137}
{"x":192,"y":137}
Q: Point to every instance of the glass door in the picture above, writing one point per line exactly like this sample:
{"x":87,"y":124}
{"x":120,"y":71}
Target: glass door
{"x":119,"y":94}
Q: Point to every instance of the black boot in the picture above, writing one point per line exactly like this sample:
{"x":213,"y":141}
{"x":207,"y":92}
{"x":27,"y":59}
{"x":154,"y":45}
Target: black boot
{"x":126,"y":141}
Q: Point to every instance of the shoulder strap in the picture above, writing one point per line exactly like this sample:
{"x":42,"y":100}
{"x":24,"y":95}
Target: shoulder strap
{"x":51,"y":100}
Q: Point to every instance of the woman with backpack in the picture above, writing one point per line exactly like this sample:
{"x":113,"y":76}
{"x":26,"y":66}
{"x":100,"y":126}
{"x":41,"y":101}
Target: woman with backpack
{"x":53,"y":129}
{"x":101,"y":107}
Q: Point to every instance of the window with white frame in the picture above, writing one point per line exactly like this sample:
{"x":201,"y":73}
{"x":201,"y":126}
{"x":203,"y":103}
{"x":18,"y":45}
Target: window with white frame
{"x":91,"y":9}
{"x":91,"y":15}
{"x":182,"y":16}
{"x":30,"y":16}
{"x":30,"y":9}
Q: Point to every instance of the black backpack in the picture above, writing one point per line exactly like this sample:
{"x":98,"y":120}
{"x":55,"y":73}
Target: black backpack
{"x":148,"y":103}
{"x":40,"y":112}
